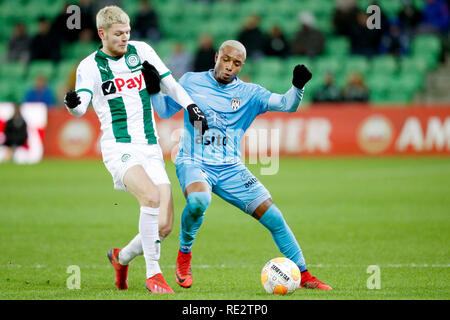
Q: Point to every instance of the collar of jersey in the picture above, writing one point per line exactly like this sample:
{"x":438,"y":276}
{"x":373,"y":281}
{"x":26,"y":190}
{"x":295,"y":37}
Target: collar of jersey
{"x":230,"y":85}
{"x":107,"y":56}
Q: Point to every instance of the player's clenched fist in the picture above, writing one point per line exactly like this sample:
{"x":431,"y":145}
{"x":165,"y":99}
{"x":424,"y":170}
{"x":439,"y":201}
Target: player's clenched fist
{"x":151,"y":78}
{"x":72,"y":100}
{"x":197,"y":118}
{"x":301,"y":76}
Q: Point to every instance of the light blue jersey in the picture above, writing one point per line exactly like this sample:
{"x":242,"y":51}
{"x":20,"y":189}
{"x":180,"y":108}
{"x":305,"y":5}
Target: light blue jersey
{"x":230,"y":109}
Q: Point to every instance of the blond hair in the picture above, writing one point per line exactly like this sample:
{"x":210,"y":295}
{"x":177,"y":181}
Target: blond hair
{"x":234,"y":44}
{"x":110,"y":15}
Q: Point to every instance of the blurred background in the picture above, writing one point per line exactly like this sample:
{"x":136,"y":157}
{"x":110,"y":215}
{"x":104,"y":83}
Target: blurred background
{"x":404,"y":63}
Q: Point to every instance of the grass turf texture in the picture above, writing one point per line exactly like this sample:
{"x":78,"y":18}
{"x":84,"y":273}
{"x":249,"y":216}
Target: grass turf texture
{"x":347,"y":214}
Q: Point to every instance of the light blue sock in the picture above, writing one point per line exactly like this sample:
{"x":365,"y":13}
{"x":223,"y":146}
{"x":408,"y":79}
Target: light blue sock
{"x":285,"y":240}
{"x":192,"y":218}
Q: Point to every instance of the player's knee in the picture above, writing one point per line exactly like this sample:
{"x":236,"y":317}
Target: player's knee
{"x":150,"y":199}
{"x":273,"y":219}
{"x":198,"y":202}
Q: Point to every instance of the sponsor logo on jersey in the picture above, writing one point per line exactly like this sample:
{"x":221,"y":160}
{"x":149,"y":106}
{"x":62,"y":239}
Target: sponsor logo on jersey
{"x":213,"y":140}
{"x":248,"y":178}
{"x":235,"y":103}
{"x":108,"y":87}
{"x":118,"y":84}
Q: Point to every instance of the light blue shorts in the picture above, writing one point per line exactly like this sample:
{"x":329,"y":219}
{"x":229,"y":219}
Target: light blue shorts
{"x":232,"y":182}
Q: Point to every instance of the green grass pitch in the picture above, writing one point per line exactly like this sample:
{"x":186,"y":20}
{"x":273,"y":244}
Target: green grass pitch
{"x":347,"y":214}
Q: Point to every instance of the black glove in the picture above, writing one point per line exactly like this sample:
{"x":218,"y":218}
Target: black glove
{"x":301,"y":76}
{"x":151,"y":78}
{"x":72,"y":99}
{"x":197,"y":118}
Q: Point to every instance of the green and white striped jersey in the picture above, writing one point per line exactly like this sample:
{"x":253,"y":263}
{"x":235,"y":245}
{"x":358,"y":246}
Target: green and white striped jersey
{"x":118,"y":92}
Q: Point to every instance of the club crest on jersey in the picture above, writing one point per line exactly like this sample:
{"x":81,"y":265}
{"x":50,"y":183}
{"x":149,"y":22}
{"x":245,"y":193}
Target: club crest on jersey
{"x":235,"y":103}
{"x":132,"y":60}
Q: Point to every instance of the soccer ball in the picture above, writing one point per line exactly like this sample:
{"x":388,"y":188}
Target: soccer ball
{"x":280,"y":276}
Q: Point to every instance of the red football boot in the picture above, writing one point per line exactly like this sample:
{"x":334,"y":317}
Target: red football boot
{"x":183,"y":273}
{"x":157,"y":284}
{"x":121,"y":270}
{"x":310,"y":282}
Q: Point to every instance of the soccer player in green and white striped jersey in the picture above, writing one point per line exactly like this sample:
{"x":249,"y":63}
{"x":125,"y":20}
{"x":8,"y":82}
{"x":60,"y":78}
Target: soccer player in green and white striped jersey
{"x":119,"y":79}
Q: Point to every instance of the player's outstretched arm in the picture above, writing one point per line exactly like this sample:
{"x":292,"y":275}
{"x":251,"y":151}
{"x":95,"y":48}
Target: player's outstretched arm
{"x":164,"y":105}
{"x":290,"y":101}
{"x":77,"y":103}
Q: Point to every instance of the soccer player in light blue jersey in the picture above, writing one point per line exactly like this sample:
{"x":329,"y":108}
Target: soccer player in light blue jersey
{"x":212,"y":162}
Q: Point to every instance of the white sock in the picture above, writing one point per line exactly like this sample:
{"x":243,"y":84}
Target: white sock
{"x":148,"y":229}
{"x":131,"y":251}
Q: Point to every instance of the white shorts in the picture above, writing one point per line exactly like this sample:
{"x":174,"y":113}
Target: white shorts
{"x":119,"y":157}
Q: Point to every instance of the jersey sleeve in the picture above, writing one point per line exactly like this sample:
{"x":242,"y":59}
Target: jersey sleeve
{"x":261,"y":99}
{"x":288,"y":102}
{"x":84,"y":79}
{"x":164,"y":105}
{"x":84,"y":86}
{"x":150,"y":55}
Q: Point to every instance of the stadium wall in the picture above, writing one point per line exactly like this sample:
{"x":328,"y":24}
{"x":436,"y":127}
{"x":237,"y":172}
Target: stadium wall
{"x":328,"y":130}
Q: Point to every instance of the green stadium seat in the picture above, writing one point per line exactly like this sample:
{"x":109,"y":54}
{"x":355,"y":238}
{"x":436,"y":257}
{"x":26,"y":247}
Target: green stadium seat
{"x":66,"y":66}
{"x":325,"y":25}
{"x":416,"y":64}
{"x":385,"y":64}
{"x":273,"y":66}
{"x":250,"y":67}
{"x":10,"y":91}
{"x":5,"y":90}
{"x":33,"y":10}
{"x":164,"y":48}
{"x":399,"y":97}
{"x":409,"y":81}
{"x":337,"y":46}
{"x":357,"y":63}
{"x":253,"y":7}
{"x":222,"y":9}
{"x":426,"y":44}
{"x":131,"y":8}
{"x":291,"y":62}
{"x":328,"y":64}
{"x":379,"y":84}
{"x":314,"y":84}
{"x":6,"y":33}
{"x":3,"y":50}
{"x":64,"y":70}
{"x":272,"y":83}
{"x":431,"y":59}
{"x":80,"y":50}
{"x":40,"y":67}
{"x":13,"y":71}
{"x":390,"y":8}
